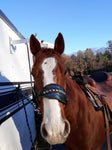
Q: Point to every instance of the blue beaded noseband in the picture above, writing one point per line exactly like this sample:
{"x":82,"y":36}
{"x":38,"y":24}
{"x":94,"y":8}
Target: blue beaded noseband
{"x":53,"y":91}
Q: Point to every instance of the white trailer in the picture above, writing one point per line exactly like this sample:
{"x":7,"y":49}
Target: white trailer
{"x":17,"y":119}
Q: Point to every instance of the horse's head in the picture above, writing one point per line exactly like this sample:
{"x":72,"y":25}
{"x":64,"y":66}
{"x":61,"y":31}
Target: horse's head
{"x":50,"y":85}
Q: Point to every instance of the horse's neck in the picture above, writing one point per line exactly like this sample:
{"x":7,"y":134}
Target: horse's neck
{"x":73,"y":90}
{"x":81,"y":115}
{"x":77,"y":99}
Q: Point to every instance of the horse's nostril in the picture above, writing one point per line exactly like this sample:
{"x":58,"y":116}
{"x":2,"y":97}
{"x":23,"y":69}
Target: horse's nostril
{"x":44,"y":131}
{"x":67,"y":128}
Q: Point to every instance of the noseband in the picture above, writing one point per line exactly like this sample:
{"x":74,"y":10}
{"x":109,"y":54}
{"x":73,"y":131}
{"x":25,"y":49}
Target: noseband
{"x":53,"y":91}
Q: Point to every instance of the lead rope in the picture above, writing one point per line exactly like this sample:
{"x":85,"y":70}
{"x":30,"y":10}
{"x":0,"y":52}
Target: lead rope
{"x":26,"y":116}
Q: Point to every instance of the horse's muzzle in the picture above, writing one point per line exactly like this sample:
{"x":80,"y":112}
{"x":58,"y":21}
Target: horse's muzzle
{"x":55,"y":137}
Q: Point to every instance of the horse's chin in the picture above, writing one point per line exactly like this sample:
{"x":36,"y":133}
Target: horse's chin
{"x":56,"y":141}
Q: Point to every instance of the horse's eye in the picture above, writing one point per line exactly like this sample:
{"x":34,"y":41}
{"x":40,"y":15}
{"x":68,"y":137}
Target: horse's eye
{"x":65,"y":72}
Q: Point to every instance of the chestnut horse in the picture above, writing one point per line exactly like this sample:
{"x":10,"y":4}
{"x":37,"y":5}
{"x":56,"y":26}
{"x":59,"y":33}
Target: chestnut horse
{"x":67,"y":115}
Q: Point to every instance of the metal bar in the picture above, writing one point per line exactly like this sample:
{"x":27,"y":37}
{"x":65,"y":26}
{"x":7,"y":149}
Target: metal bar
{"x":22,"y":41}
{"x":29,"y":63}
{"x":14,"y":83}
{"x":12,"y":113}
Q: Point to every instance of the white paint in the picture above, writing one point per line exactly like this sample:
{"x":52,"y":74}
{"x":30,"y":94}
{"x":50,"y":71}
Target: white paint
{"x":10,"y":134}
{"x":52,"y":113}
{"x":14,"y":133}
{"x":13,"y":66}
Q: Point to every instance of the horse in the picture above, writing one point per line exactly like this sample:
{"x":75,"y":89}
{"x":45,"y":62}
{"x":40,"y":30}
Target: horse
{"x":67,"y":114}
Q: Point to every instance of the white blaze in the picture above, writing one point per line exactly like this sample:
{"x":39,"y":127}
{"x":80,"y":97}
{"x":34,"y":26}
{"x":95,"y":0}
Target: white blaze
{"x":52,"y":112}
{"x":48,"y":66}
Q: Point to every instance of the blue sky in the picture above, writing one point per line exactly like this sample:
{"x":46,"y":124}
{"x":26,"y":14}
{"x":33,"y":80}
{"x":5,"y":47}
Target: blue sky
{"x":83,"y":23}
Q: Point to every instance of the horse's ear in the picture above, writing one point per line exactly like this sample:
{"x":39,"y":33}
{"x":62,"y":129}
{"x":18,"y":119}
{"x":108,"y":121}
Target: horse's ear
{"x":34,"y":45}
{"x":59,"y":43}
